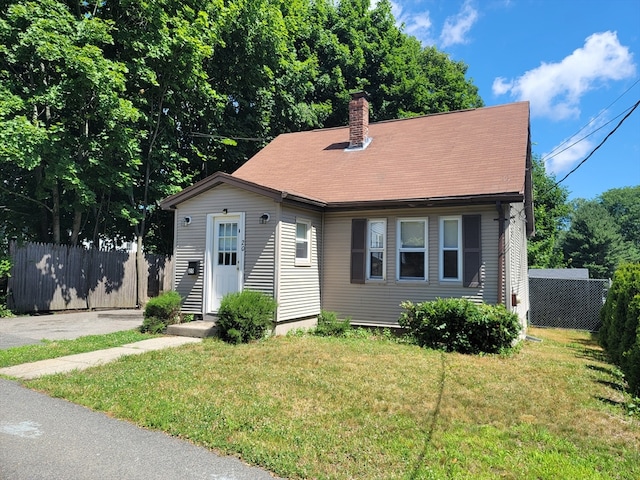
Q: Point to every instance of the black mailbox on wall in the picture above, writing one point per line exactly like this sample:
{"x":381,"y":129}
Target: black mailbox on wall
{"x":193,"y":268}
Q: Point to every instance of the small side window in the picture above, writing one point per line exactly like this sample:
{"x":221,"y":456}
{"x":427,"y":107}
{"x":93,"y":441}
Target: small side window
{"x":303,"y":242}
{"x":376,"y":247}
{"x":450,"y":249}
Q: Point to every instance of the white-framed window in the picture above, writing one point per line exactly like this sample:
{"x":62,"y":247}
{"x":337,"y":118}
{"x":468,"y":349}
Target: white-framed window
{"x":376,"y":249}
{"x":412,"y":244}
{"x":451,"y":248}
{"x":303,"y":242}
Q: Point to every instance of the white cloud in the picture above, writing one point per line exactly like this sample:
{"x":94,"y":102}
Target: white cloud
{"x":501,"y":86}
{"x":457,"y":27}
{"x":417,"y":24}
{"x":555,"y":89}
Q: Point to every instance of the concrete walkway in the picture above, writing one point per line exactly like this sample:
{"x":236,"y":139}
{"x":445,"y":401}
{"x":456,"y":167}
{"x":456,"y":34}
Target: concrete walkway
{"x":81,"y":361}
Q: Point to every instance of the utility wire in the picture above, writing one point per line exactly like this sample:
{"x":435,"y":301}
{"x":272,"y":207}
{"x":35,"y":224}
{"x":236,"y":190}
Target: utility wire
{"x":554,"y":152}
{"x":557,"y":152}
{"x":207,"y":135}
{"x":599,"y":145}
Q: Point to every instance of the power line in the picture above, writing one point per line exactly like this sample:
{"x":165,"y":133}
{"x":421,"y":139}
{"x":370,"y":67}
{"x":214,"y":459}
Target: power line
{"x":555,"y":151}
{"x":599,"y":145}
{"x":207,"y":135}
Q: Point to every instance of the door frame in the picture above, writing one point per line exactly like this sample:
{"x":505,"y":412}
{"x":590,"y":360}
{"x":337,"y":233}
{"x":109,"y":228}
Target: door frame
{"x":210,"y":238}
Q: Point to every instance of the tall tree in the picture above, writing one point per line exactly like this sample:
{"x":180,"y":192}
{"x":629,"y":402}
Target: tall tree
{"x":551,"y":213}
{"x":65,"y":128}
{"x":594,"y":241}
{"x":623,"y":204}
{"x":107,"y":107}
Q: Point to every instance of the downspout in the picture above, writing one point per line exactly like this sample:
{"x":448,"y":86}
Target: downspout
{"x":276,"y":260}
{"x":501,"y":262}
{"x":321,"y":261}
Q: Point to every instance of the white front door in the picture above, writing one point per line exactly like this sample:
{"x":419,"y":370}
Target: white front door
{"x":226,"y":258}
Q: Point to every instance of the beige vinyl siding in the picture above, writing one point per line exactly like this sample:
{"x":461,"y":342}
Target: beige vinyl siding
{"x":377,"y":302}
{"x":298,"y":286}
{"x":190,"y":243}
{"x":517,"y":265}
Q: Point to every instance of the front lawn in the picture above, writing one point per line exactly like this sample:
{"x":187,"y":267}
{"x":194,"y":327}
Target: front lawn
{"x":326,"y":408}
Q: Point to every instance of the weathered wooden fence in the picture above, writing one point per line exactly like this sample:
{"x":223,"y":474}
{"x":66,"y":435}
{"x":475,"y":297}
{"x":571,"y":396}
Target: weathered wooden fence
{"x":47,"y":277}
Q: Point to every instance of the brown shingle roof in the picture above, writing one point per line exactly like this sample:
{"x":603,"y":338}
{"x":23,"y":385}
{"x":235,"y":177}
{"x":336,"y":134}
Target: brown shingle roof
{"x":480,"y":152}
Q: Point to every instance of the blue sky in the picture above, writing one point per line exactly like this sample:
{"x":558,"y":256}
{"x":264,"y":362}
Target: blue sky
{"x":576,"y":61}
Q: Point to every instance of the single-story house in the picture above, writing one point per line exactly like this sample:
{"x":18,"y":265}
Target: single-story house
{"x":357,"y":219}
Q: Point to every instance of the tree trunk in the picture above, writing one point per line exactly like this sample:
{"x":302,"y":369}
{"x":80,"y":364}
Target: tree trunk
{"x":141,"y":273}
{"x":77,"y":221}
{"x":55,"y":195}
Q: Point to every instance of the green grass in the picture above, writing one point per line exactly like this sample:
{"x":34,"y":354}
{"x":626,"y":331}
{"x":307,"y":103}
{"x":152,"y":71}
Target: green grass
{"x":327,"y":408}
{"x":59,"y":348}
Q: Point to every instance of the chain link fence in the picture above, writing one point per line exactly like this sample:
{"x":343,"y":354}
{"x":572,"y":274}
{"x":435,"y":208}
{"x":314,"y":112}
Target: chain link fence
{"x":567,"y":303}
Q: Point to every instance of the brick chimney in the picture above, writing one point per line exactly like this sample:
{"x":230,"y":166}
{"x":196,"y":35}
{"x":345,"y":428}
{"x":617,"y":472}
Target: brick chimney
{"x":358,"y":121}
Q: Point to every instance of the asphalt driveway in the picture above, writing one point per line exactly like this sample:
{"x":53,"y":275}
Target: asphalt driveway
{"x":29,"y":330}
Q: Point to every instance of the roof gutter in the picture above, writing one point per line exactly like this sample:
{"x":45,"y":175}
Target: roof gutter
{"x":490,"y":199}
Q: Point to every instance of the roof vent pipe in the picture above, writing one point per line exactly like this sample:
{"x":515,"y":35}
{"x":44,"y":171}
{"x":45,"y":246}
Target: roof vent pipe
{"x":358,"y":121}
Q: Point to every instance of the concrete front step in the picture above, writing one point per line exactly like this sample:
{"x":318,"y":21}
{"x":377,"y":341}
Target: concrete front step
{"x":197,"y":329}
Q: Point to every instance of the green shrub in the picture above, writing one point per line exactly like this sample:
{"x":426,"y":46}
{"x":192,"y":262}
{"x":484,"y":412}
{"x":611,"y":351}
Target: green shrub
{"x":330,"y":326}
{"x":620,"y":316}
{"x":245,"y":316}
{"x":458,"y":325}
{"x":153,"y":325}
{"x":4,"y":310}
{"x":161,"y":311}
{"x":5,"y":273}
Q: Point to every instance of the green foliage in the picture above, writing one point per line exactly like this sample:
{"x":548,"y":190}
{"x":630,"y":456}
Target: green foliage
{"x":594,"y":241}
{"x":623,"y":204}
{"x":551,"y":213}
{"x":330,"y":326}
{"x":161,"y":311}
{"x":245,"y":316}
{"x":108,"y":107}
{"x":458,"y":325}
{"x":5,"y":269}
{"x":65,"y":126}
{"x":620,"y":316}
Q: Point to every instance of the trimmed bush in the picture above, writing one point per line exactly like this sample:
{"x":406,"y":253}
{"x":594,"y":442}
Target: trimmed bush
{"x":153,"y":325}
{"x":161,"y":311}
{"x":330,"y":326}
{"x":620,"y":331}
{"x":245,"y":316}
{"x":458,"y":325}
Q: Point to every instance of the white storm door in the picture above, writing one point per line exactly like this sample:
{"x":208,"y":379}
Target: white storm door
{"x":226,"y":258}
